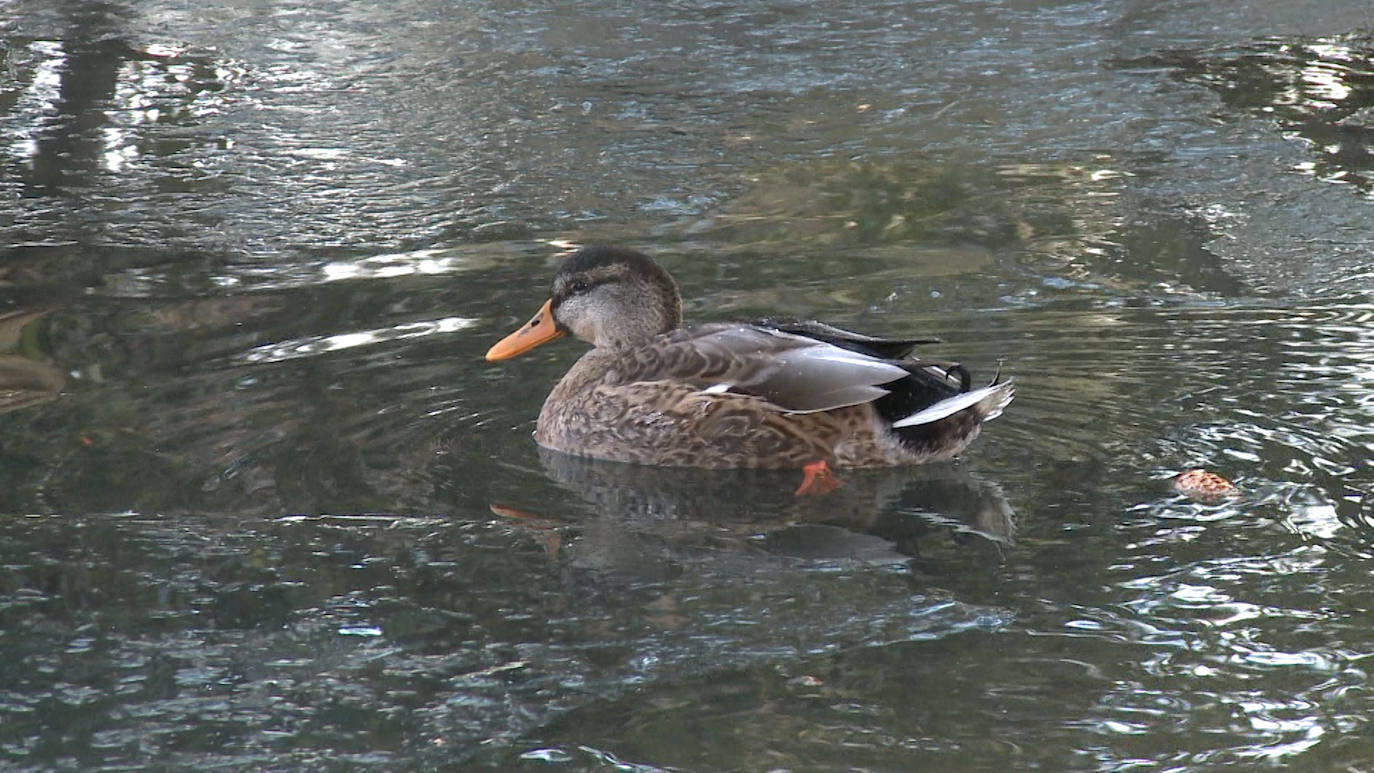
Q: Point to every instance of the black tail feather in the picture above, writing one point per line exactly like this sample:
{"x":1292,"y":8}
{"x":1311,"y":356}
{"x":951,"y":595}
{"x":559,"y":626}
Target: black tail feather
{"x":882,"y":348}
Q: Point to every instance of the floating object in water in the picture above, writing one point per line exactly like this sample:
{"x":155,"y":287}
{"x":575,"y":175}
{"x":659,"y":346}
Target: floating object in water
{"x":1203,"y":486}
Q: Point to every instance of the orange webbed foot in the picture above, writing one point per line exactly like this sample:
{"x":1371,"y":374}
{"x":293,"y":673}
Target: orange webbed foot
{"x":543,"y":533}
{"x":817,"y":480}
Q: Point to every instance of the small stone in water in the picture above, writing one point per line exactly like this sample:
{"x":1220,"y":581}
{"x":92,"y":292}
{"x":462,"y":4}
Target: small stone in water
{"x":1204,"y":486}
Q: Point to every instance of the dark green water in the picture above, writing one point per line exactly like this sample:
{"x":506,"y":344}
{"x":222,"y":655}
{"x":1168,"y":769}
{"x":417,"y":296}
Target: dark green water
{"x":263,"y":504}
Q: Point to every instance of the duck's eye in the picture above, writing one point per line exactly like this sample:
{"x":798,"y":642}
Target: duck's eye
{"x":579,"y":286}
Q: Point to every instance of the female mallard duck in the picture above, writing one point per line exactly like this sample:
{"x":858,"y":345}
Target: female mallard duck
{"x":779,"y":395}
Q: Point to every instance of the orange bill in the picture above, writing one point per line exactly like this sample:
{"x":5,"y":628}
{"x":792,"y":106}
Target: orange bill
{"x":539,"y":329}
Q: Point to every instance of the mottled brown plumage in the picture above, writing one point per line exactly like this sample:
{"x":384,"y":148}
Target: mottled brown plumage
{"x":727,"y":395}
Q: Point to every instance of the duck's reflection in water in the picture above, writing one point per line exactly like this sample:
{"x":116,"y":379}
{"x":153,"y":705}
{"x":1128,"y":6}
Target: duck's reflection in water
{"x":648,"y":521}
{"x":24,"y":381}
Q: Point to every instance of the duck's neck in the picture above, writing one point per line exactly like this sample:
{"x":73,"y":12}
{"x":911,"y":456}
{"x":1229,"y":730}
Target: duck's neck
{"x":638,"y":324}
{"x":630,"y":337}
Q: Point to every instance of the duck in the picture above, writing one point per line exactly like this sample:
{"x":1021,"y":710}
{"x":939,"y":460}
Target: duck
{"x":763,"y":394}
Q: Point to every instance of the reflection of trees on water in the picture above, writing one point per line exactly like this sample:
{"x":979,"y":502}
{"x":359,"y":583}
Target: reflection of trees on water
{"x":1320,"y":91}
{"x":76,"y":107}
{"x":83,"y":97}
{"x":860,"y":205}
{"x":910,"y":220}
{"x":68,"y":150}
{"x":78,"y":155}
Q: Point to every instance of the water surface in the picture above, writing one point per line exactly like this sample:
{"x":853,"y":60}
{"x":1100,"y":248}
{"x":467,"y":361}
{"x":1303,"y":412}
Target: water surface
{"x":263,"y":503}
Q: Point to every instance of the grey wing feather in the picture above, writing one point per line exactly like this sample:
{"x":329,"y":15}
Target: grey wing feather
{"x":794,"y":373}
{"x":822,"y":377}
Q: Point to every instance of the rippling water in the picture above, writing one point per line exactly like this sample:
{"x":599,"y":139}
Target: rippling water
{"x":263,"y":504}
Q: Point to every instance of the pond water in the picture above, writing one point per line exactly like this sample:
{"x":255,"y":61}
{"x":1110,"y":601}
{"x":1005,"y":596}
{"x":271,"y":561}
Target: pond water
{"x":262,"y":503}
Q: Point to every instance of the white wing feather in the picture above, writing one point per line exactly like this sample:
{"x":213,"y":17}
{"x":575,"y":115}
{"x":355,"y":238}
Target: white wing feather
{"x":998,"y":395}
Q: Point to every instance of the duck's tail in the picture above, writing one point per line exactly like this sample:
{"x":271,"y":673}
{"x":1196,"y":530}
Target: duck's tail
{"x":988,"y":403}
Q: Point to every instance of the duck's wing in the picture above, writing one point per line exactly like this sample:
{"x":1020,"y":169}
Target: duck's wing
{"x":793,"y":373}
{"x":882,"y":348}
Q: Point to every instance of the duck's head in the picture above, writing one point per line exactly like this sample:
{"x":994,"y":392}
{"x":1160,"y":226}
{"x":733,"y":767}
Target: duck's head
{"x":610,"y":297}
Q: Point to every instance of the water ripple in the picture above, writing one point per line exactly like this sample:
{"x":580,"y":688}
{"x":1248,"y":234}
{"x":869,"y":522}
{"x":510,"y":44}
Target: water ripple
{"x":314,"y":346}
